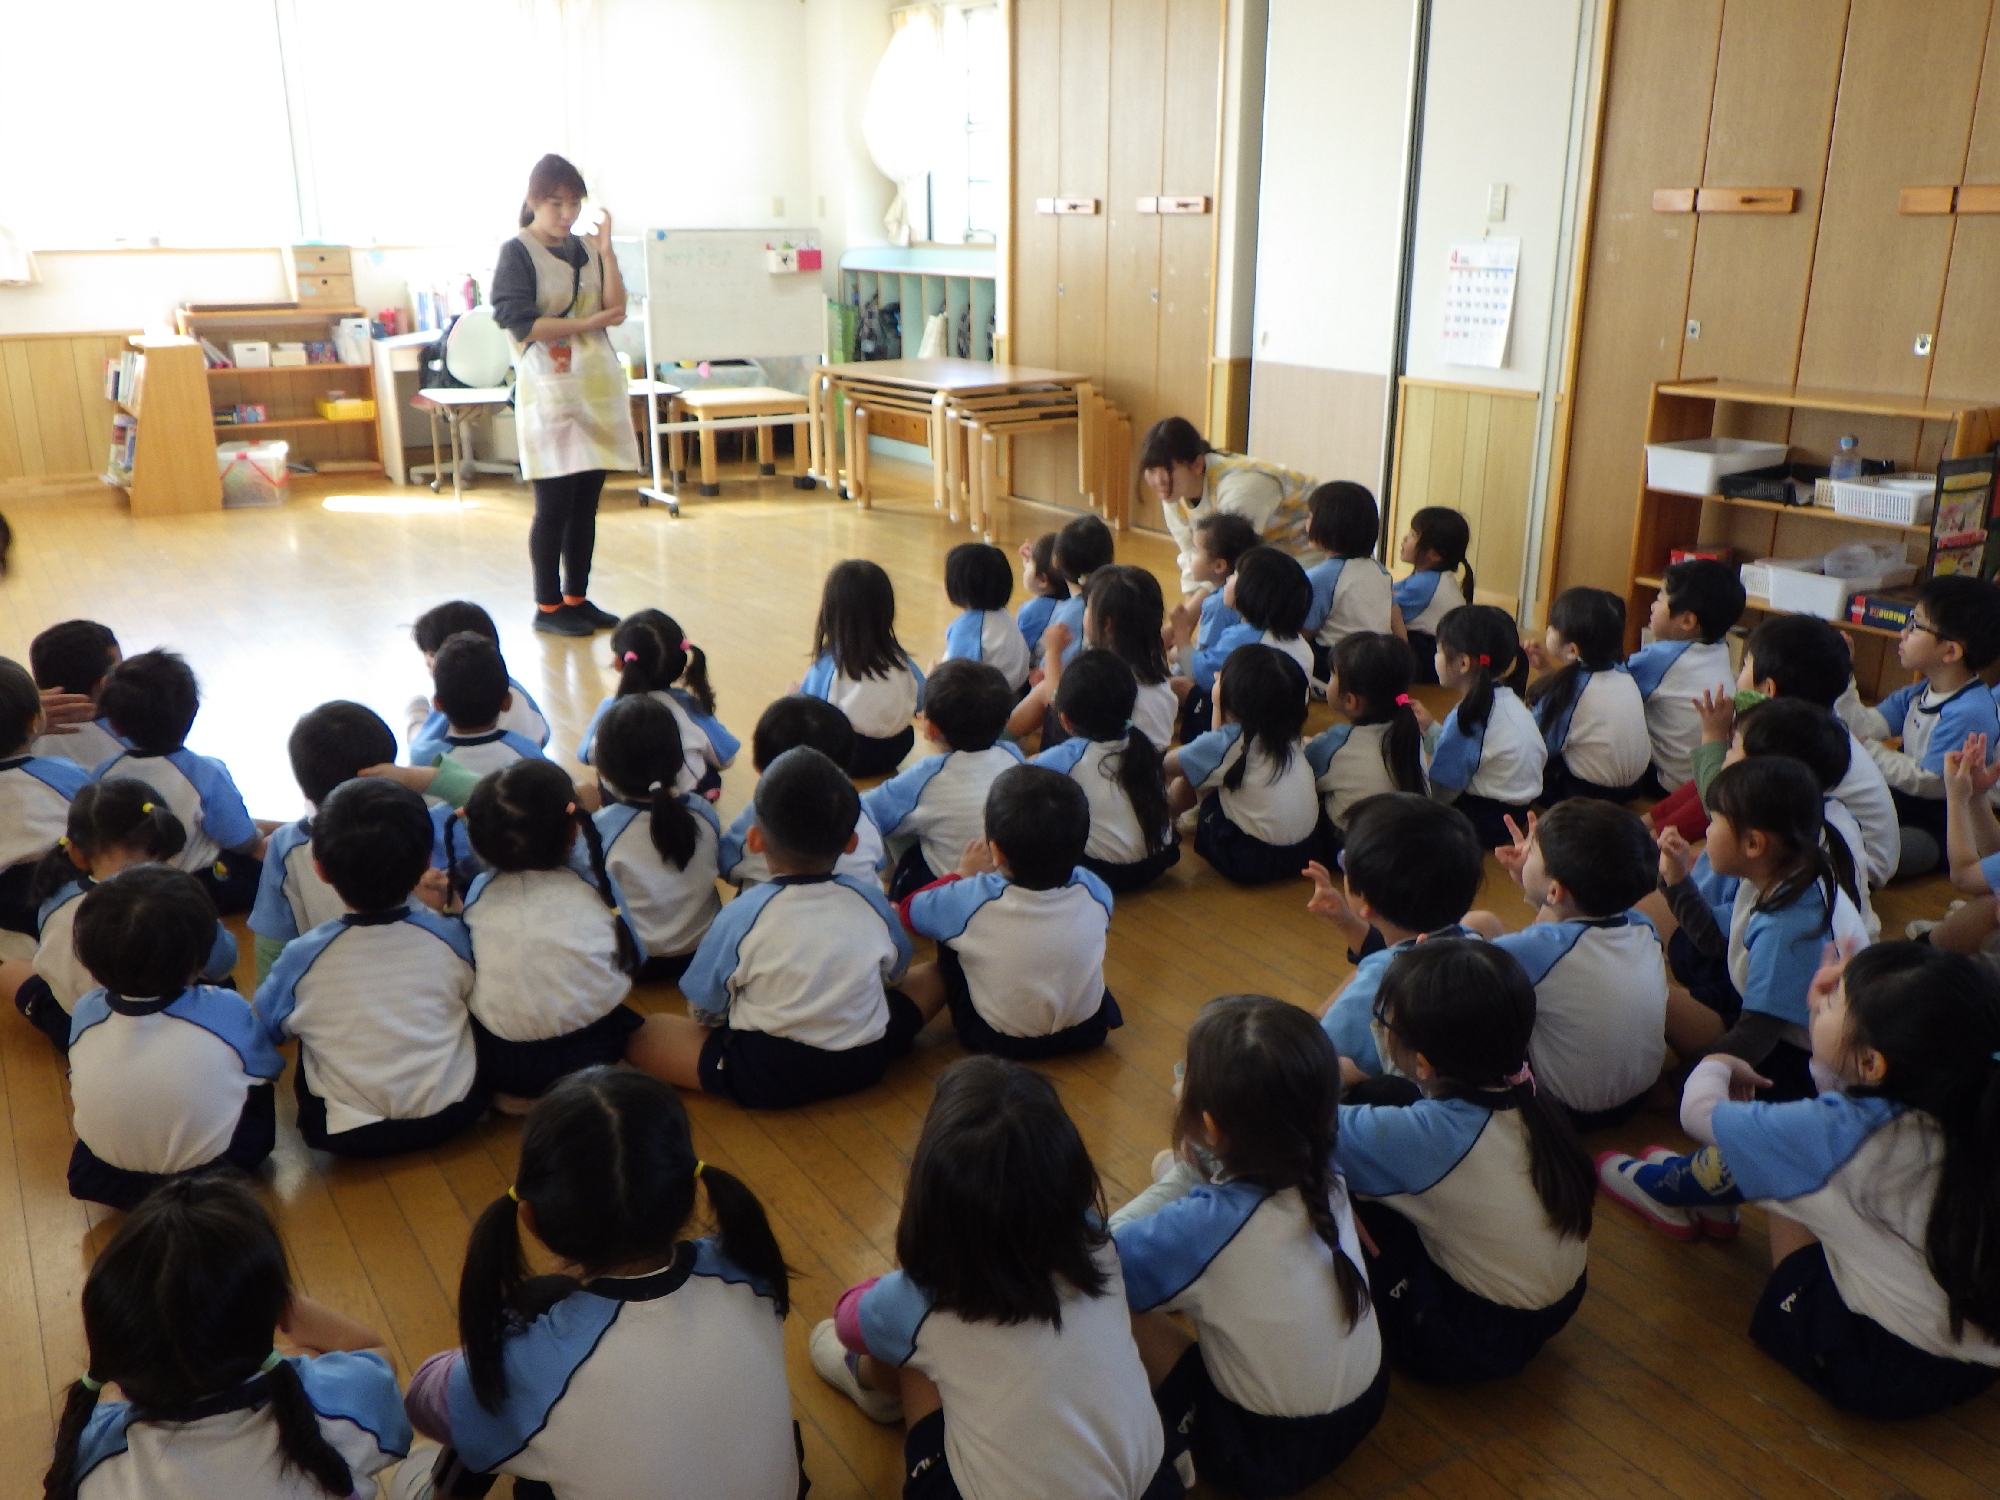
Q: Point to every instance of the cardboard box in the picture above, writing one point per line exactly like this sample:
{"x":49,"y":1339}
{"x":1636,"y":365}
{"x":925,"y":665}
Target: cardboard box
{"x":250,"y":354}
{"x":1705,"y":554}
{"x":1888,"y":609}
{"x":287,"y":355}
{"x":324,"y":291}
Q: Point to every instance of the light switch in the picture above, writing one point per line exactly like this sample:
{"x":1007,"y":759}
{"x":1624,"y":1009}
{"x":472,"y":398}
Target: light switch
{"x":777,"y":208}
{"x":1496,"y":203}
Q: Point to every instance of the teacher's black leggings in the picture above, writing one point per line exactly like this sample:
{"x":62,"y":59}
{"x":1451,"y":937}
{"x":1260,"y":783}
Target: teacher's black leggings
{"x":565,"y":529}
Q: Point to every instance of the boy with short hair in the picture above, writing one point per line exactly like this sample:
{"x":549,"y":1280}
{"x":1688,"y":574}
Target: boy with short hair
{"x":1412,"y":870}
{"x":1020,"y":927}
{"x":151,"y":701}
{"x":1600,"y":980}
{"x":432,"y":629}
{"x":329,"y":745}
{"x":788,"y":722}
{"x":1221,"y":538}
{"x":472,"y":692}
{"x":1699,"y":602}
{"x":377,"y":995}
{"x":789,"y":997}
{"x":35,"y":793}
{"x":1953,"y":634}
{"x":940,"y":802}
{"x":75,"y":657}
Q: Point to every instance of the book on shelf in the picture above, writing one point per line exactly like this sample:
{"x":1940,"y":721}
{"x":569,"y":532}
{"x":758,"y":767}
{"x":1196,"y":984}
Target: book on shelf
{"x":1961,"y":517}
{"x":122,"y":376}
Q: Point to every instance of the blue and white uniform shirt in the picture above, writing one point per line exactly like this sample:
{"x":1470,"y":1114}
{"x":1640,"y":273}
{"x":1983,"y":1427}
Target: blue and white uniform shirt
{"x":699,"y":750}
{"x":1156,"y":712}
{"x":522,"y":715}
{"x":1029,"y":1409}
{"x":35,"y":792}
{"x":291,"y":897}
{"x":1347,"y":765}
{"x":671,"y":1383}
{"x":1931,"y":724}
{"x":878,"y":707}
{"x":198,"y":791}
{"x":1279,"y":805}
{"x":1773,"y":955}
{"x":1503,"y":759}
{"x":1600,"y":1007}
{"x":158,"y":1086}
{"x":1251,"y":1271}
{"x":669,"y":908}
{"x":1068,"y":613}
{"x":1115,"y":834}
{"x":1217,"y":617}
{"x":993,"y":925}
{"x":237,"y":1451}
{"x":495,"y":750}
{"x":1350,"y":1020}
{"x":1462,"y":1175}
{"x":1205,"y":662}
{"x":1861,"y":1174}
{"x":1602,"y":734}
{"x":940,"y":801}
{"x":801,"y":956}
{"x":378,"y":1003}
{"x":744,"y":869}
{"x":1427,"y":597}
{"x":1670,"y":676}
{"x":1350,"y":594}
{"x":1033,"y":619}
{"x":90,"y":746}
{"x":55,"y":951}
{"x":1865,"y":795}
{"x":545,"y":951}
{"x":991,"y":636}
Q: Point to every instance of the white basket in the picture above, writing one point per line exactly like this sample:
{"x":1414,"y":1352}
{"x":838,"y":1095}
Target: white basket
{"x":1696,"y":466}
{"x":1905,"y":499}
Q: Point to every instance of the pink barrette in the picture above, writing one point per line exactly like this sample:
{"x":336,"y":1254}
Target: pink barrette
{"x":1526,"y":1075}
{"x":629,"y":657}
{"x":686,"y":646}
{"x":1402,"y":700}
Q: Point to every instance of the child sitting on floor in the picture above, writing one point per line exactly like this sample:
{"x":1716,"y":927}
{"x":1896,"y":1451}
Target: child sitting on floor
{"x":1698,"y":604}
{"x":166,"y":1076}
{"x":1082,"y":547}
{"x":1270,"y":596}
{"x":937,"y":804}
{"x":789,"y":997}
{"x":151,"y":701}
{"x":1411,"y":871}
{"x":1589,"y":709}
{"x":1351,"y":591}
{"x":75,"y":657}
{"x":432,"y":629}
{"x":1019,"y":927}
{"x":860,"y":667}
{"x":1600,"y":981}
{"x":1260,"y":817}
{"x":1043,"y":583}
{"x":1122,"y":611}
{"x":1221,"y":537}
{"x":1435,"y":546}
{"x":329,"y":745}
{"x":377,"y":996}
{"x":979,"y":580}
{"x":790,"y":721}
{"x":1105,"y":751}
{"x":1380,"y":748}
{"x":651,"y":655}
{"x":35,"y":793}
{"x":1488,"y":757}
{"x":472,"y":692}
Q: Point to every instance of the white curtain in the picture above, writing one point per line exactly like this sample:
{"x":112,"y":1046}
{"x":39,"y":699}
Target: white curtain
{"x":901,"y":121}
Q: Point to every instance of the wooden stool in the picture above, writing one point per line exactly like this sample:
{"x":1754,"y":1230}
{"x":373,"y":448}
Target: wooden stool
{"x":707,"y":406}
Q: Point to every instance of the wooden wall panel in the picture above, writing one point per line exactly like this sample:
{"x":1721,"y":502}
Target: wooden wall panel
{"x":1663,"y":56}
{"x":1187,"y":241}
{"x":1037,"y":33}
{"x":1967,"y":362}
{"x":1138,"y":103}
{"x":1904,"y":116}
{"x":1470,"y":448}
{"x":54,"y":419}
{"x":1083,"y":150}
{"x":1769,"y":125}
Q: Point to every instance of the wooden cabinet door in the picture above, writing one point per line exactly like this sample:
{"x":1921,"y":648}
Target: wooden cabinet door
{"x":1037,"y":37}
{"x":1083,"y":153}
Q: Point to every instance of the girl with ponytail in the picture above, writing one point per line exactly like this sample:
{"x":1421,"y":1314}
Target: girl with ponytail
{"x":182,"y":1310}
{"x":113,"y":825}
{"x":1285,"y":1375}
{"x":659,"y":843}
{"x":1436,"y":544}
{"x":1487,"y":759}
{"x":653,"y":657}
{"x":1380,"y":748}
{"x":1479,"y":1222}
{"x":552,"y":947}
{"x":1132,"y":839}
{"x":1592,"y":714}
{"x":609,"y":1376}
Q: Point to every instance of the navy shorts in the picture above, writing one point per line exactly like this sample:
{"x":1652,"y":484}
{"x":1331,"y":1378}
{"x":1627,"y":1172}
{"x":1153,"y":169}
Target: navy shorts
{"x":1489,"y":819}
{"x":18,"y":912}
{"x":1433,"y":1328}
{"x":1853,"y":1361}
{"x":1583,"y":1120}
{"x":976,"y":1035}
{"x":927,"y":1473}
{"x":913,"y":873}
{"x":1122,"y":880}
{"x":232,"y":881}
{"x":1248,"y":860}
{"x":667,"y":968}
{"x":95,"y":1180}
{"x":1705,"y":978}
{"x":527,"y":1070}
{"x":1560,"y":783}
{"x":761,"y":1071}
{"x":35,"y":1000}
{"x":873,"y":757}
{"x":384,"y":1137}
{"x":1246,"y":1453}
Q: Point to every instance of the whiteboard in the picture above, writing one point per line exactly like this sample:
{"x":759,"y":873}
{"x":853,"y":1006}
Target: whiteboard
{"x":710,"y":295}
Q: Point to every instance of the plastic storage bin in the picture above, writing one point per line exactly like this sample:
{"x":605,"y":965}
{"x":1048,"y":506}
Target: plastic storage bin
{"x":1905,"y":499}
{"x":347,"y":409}
{"x":1757,"y":575}
{"x":254,"y":473}
{"x":1696,"y":465}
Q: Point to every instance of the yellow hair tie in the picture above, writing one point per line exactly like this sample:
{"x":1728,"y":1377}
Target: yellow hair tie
{"x":63,"y":842}
{"x":145,"y":807}
{"x":700,"y":1166}
{"x":512,"y":1194}
{"x":88,"y":1384}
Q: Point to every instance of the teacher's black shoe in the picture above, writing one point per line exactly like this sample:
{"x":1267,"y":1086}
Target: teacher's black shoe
{"x":599,"y":619}
{"x":564,"y":619}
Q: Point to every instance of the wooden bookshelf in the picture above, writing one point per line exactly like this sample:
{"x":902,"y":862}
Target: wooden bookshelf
{"x":288,"y":393}
{"x":173,"y":465}
{"x":1759,"y":528}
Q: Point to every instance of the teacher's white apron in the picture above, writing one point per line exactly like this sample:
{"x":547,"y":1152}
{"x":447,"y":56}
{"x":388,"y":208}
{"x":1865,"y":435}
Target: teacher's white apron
{"x":1271,"y":497}
{"x":571,"y":413}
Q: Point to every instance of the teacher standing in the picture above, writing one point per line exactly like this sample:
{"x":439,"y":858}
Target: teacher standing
{"x":555,"y":294}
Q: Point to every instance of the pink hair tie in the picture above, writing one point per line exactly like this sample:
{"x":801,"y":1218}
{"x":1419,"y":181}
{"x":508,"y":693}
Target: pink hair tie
{"x":629,"y":658}
{"x":1526,"y":1075}
{"x":1402,"y":700}
{"x":686,"y":646}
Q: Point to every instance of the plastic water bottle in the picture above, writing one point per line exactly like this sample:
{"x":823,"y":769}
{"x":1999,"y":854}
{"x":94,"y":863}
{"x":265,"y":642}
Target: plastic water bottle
{"x":1847,"y":462}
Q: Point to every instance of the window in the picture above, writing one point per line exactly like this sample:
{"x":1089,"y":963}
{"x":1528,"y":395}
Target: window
{"x":969,"y":179}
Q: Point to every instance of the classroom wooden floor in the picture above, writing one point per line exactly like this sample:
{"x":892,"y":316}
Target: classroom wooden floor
{"x":1654,"y":1390}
